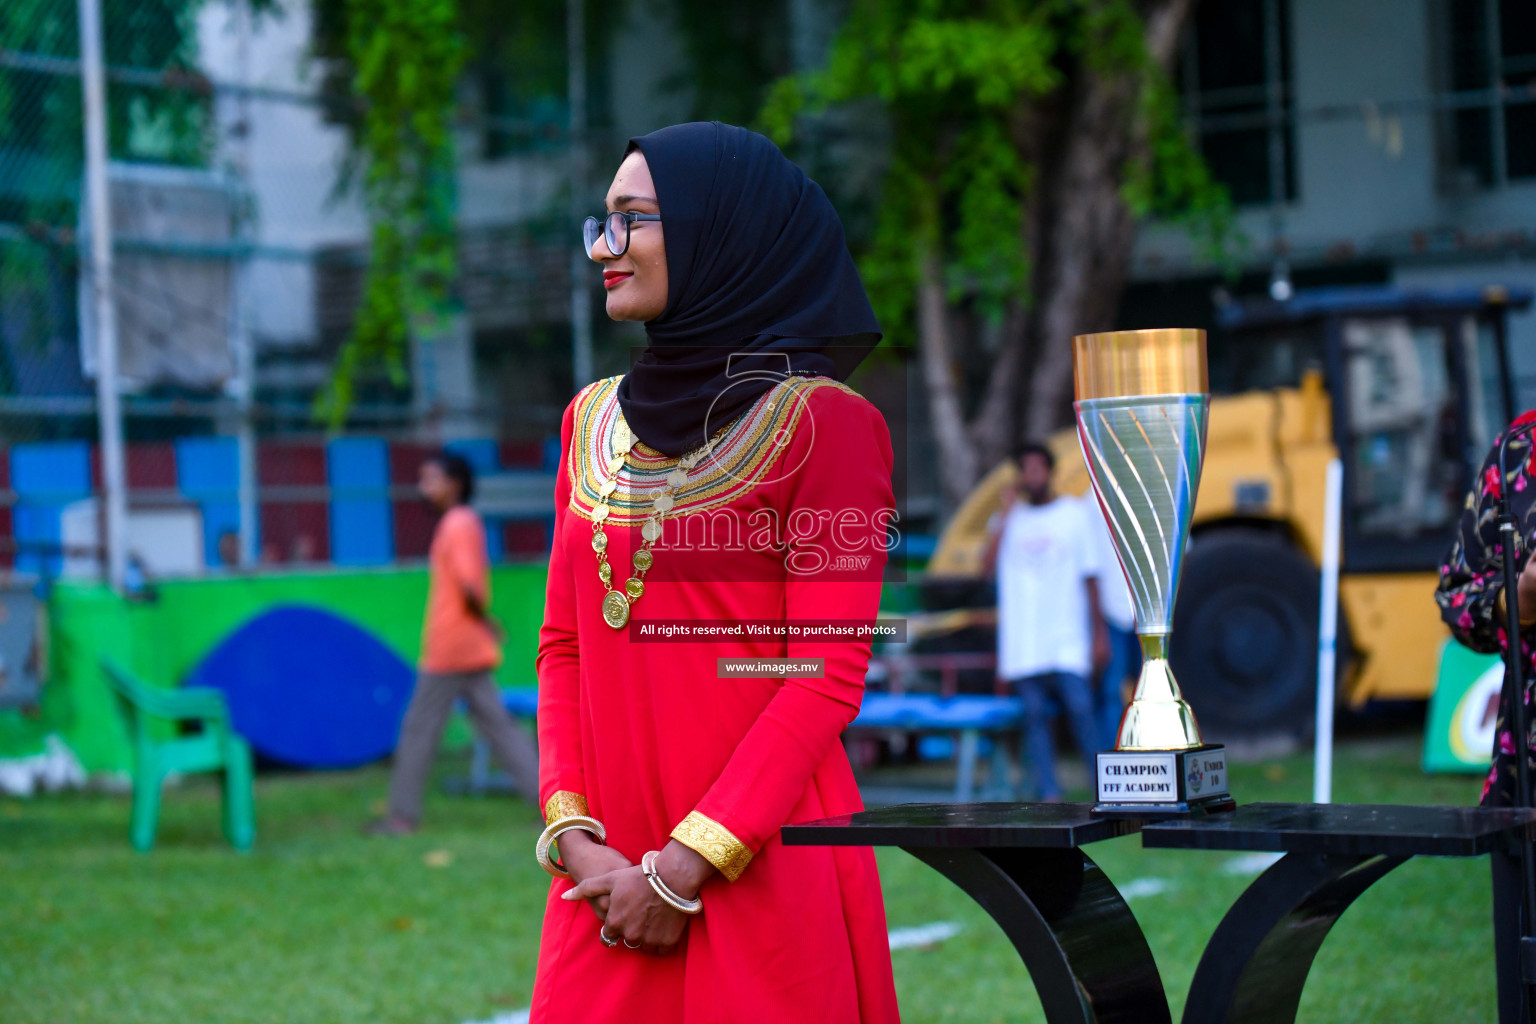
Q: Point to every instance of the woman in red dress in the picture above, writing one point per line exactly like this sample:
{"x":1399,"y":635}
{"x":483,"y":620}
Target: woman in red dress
{"x":729,"y":479}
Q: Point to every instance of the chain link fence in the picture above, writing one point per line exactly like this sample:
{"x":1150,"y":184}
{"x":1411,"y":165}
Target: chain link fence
{"x":238,"y":256}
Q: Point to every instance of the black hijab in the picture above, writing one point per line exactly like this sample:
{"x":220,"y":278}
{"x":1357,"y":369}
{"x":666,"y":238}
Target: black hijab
{"x":756,"y":264}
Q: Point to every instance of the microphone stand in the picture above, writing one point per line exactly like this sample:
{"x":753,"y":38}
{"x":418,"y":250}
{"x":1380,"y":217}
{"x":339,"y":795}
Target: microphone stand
{"x":1515,"y":679}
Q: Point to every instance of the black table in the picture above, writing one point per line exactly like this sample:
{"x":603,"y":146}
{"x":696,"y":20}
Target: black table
{"x":1084,"y":950}
{"x":1024,"y":864}
{"x":1257,"y":961}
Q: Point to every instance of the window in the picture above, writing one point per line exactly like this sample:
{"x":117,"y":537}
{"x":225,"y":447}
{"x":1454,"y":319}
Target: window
{"x":1490,"y":60}
{"x":1235,"y":75}
{"x":1404,"y":448}
{"x":1264,"y":358}
{"x":1486,"y":412}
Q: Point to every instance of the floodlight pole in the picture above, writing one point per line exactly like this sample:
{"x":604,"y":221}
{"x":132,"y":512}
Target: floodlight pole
{"x":109,"y":413}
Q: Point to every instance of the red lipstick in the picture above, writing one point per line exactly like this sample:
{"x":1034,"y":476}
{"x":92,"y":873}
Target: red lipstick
{"x":612,"y":278}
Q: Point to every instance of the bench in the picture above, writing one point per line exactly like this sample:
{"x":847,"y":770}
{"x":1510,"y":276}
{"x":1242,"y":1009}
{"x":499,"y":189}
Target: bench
{"x":966,"y":714}
{"x":969,"y":715}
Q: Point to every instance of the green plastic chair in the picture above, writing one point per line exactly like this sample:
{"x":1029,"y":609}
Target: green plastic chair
{"x":215,"y":748}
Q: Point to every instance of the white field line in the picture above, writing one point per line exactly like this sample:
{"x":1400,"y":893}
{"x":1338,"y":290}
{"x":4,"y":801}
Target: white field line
{"x":1249,"y":863}
{"x":1136,"y":888}
{"x":923,"y":934}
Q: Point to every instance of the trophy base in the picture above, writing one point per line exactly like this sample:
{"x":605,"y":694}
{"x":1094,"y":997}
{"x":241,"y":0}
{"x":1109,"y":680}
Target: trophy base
{"x":1163,"y":783}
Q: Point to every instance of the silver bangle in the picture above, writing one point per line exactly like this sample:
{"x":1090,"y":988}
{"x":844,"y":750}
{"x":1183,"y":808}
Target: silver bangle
{"x":672,"y":899}
{"x":552,"y":832}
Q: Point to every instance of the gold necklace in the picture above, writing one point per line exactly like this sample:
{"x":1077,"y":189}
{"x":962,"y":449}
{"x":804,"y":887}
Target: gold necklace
{"x":616,"y":602}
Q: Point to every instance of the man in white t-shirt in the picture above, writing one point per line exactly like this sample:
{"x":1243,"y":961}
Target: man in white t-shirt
{"x":1120,"y":620}
{"x":1050,"y":634}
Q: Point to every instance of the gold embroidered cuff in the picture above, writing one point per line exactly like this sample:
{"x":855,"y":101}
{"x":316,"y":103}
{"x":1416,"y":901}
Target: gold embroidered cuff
{"x":715,"y":843}
{"x":563,"y":804}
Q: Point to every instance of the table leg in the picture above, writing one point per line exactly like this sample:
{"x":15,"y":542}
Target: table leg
{"x":1506,"y":936}
{"x":965,"y":766}
{"x":1257,"y":961}
{"x":1084,"y":950}
{"x":1001,"y":771}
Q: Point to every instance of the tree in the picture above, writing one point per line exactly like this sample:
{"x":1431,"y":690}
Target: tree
{"x":403,"y":58}
{"x":399,"y":76}
{"x":1027,"y":139}
{"x":164,"y":120}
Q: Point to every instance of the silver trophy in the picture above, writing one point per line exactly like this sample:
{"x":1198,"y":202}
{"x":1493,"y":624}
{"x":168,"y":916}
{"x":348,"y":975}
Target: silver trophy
{"x":1142,"y":401}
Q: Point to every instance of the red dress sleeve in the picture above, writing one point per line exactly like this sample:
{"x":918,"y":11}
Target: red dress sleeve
{"x":562,"y":786}
{"x":834,"y":507}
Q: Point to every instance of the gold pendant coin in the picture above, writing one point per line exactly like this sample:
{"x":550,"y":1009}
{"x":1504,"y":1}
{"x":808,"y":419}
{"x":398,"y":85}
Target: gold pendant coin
{"x":644,"y":559}
{"x":605,"y":572}
{"x":615,"y":609}
{"x":600,"y":513}
{"x":608,"y":487}
{"x":634,"y":588}
{"x":599,"y":540}
{"x":651,"y":530}
{"x":664,"y":502}
{"x":677,"y":478}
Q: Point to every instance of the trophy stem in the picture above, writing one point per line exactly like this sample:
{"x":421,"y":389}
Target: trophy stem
{"x":1158,"y":717}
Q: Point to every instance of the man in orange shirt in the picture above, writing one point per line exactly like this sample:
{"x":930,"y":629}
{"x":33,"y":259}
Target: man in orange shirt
{"x":460,"y":646}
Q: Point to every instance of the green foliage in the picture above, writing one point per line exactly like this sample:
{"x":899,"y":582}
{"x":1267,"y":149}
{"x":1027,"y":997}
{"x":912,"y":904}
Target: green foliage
{"x":734,"y":52}
{"x":406,"y":57}
{"x":960,"y":82}
{"x":42,"y":130}
{"x":525,"y":44}
{"x":1172,"y":180}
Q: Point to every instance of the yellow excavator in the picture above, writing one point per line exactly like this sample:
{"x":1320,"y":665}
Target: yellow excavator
{"x":1408,"y":388}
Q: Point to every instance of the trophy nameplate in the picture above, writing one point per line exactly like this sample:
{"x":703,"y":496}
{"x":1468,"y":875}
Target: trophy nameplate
{"x":1167,"y":782}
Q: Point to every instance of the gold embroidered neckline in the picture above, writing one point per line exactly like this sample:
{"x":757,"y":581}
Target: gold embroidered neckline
{"x":743,"y":451}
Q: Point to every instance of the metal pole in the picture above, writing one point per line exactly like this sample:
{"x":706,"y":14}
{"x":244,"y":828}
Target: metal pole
{"x":108,"y":402}
{"x":240,"y":279}
{"x":1327,"y":637}
{"x":1275,"y":108}
{"x":576,"y":130}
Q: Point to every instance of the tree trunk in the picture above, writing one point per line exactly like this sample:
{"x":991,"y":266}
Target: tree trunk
{"x":1089,"y":244}
{"x":957,"y":459}
{"x":1078,"y":234}
{"x":1087,"y":251}
{"x":1037,"y":132}
{"x":995,"y":424}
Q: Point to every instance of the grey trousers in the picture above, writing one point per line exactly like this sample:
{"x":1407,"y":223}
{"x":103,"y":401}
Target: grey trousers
{"x":422,"y":730}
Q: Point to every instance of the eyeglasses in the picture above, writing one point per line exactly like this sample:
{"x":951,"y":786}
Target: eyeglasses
{"x":614,"y":228}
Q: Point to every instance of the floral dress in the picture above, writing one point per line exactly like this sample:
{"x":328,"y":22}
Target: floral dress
{"x":1471,"y":578}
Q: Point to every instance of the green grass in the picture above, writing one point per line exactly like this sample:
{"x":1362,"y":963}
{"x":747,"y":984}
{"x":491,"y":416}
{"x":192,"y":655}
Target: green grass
{"x":319,"y":924}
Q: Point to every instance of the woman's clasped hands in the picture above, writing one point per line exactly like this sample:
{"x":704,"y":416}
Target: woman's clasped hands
{"x":631,"y":910}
